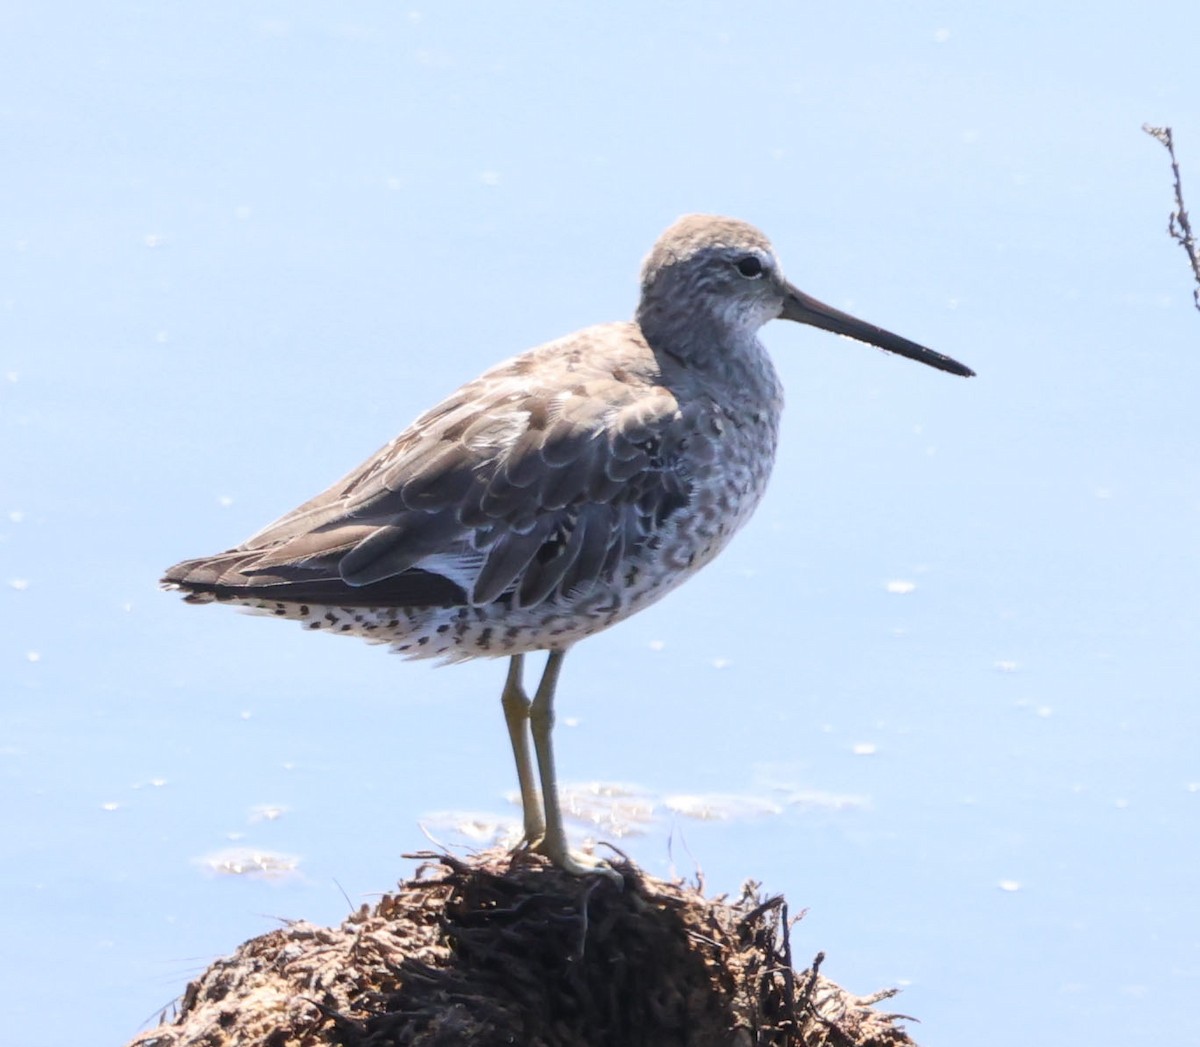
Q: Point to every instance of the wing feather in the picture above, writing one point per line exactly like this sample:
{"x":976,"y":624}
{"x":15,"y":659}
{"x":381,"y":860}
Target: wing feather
{"x":508,"y":556}
{"x":597,"y":522}
{"x":510,"y":490}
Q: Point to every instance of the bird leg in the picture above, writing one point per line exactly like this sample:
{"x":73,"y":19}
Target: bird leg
{"x":516,"y":715}
{"x":553,"y":843}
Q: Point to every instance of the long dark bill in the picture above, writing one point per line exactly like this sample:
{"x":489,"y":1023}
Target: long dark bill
{"x":805,"y":310}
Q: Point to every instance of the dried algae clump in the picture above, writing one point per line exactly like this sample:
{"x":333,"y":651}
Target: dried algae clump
{"x":490,"y":951}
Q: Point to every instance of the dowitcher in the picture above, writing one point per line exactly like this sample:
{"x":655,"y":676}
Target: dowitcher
{"x":555,"y":495}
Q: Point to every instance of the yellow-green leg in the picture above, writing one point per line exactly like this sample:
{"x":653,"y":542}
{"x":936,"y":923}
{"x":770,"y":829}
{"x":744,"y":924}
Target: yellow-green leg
{"x":516,"y":716}
{"x":554,"y":840}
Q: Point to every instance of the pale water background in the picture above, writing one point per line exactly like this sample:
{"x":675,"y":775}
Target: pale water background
{"x":945,"y":684}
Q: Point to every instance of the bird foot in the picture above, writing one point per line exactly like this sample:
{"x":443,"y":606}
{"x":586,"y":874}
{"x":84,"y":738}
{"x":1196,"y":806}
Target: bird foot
{"x":575,"y":862}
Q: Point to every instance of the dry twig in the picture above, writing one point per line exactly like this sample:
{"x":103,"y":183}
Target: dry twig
{"x":1178,"y":226}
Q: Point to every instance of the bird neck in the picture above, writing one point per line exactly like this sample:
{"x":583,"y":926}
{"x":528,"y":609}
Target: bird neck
{"x":699,"y":341}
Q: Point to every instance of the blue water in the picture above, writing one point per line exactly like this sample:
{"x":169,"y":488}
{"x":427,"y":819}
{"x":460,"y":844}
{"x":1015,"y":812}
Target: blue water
{"x":943,"y":687}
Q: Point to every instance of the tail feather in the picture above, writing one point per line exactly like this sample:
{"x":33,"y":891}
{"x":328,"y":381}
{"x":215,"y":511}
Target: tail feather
{"x":238,"y":575}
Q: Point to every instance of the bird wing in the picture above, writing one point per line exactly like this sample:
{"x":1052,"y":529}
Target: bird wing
{"x":512,"y":488}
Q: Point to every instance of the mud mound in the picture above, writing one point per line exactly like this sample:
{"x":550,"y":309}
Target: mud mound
{"x":488,"y":952}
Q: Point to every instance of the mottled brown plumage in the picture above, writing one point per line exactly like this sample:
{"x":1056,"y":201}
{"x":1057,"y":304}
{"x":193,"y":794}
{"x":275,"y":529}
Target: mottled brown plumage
{"x":556,"y":494}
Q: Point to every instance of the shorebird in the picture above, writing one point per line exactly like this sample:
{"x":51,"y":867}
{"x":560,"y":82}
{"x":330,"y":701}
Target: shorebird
{"x":556,"y":494}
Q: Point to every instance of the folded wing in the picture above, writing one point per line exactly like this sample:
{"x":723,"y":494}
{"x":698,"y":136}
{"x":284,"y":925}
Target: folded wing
{"x":501,"y":493}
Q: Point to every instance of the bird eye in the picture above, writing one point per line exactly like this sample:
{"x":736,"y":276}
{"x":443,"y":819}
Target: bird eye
{"x":750,"y":267}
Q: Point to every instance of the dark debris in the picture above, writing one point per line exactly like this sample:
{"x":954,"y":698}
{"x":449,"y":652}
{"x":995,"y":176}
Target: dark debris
{"x":493,"y":951}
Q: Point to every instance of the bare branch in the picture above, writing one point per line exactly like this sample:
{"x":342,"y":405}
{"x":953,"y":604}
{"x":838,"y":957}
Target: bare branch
{"x":1178,"y":226}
